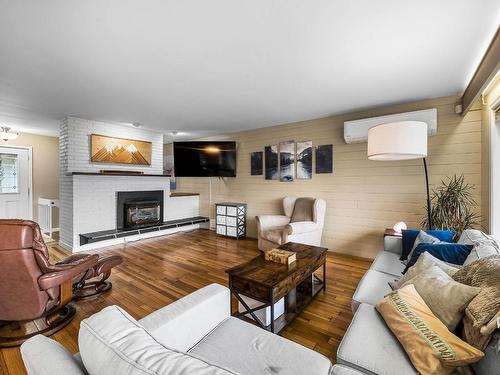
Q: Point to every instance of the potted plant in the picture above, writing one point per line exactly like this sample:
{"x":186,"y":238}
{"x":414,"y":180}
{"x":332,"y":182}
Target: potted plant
{"x":453,"y":206}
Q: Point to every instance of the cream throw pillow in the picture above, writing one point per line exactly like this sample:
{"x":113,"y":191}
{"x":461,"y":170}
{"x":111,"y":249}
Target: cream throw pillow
{"x":446,"y":298}
{"x":424,"y":262}
{"x":431,"y":347}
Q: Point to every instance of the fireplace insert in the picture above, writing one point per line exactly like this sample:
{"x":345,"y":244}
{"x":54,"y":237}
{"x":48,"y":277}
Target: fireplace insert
{"x":139,"y":209}
{"x":142,"y":213}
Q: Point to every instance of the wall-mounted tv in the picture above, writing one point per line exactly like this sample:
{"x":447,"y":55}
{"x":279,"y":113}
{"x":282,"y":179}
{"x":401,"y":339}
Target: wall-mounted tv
{"x":205,"y":159}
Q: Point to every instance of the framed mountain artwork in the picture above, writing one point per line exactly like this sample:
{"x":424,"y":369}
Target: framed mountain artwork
{"x":119,"y":150}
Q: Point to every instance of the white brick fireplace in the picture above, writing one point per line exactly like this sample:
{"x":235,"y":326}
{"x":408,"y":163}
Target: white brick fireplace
{"x":88,"y":201}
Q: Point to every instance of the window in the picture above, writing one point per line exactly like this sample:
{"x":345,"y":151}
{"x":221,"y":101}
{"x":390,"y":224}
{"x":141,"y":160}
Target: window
{"x":9,"y":173}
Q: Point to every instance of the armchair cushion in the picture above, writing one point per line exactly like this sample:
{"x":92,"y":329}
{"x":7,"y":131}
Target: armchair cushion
{"x":303,"y":210}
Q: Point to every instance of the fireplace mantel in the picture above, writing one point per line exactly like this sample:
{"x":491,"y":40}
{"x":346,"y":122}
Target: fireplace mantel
{"x":116,"y":175}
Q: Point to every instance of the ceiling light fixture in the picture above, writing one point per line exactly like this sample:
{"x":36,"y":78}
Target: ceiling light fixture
{"x":6,"y":135}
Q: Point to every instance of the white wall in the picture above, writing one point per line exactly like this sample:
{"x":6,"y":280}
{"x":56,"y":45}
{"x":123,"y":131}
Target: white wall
{"x":87,"y":203}
{"x":77,"y":145}
{"x":94,"y":200}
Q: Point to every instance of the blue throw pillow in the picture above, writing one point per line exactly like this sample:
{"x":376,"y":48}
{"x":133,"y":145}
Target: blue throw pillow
{"x":409,"y":236}
{"x":454,"y":253}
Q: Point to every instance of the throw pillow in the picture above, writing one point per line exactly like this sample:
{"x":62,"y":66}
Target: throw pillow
{"x":303,"y":210}
{"x":424,"y":262}
{"x":422,"y":237}
{"x":446,"y":298}
{"x":484,"y":245}
{"x":431,"y":347}
{"x":485,"y":274}
{"x":409,"y":236}
{"x":453,"y":253}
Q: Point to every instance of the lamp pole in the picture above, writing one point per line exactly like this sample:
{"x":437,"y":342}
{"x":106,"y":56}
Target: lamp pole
{"x":429,"y":206}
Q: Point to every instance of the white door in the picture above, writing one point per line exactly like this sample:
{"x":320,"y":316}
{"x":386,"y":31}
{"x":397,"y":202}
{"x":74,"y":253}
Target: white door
{"x":15,"y":181}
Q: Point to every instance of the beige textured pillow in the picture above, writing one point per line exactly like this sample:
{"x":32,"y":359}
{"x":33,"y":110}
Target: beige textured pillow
{"x":446,"y":298}
{"x":424,"y":262}
{"x":432,"y":349}
{"x":483,"y":273}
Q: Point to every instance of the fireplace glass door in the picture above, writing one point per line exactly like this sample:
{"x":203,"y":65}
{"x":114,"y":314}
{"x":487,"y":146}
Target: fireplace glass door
{"x":142,"y":213}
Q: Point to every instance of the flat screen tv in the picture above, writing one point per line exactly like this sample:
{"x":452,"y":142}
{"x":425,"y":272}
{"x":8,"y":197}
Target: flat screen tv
{"x":205,"y":159}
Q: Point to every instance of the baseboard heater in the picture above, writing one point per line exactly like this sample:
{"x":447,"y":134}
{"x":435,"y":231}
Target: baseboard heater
{"x":104,"y":235}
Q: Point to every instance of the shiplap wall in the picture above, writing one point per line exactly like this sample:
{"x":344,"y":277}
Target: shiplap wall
{"x":363,"y":197}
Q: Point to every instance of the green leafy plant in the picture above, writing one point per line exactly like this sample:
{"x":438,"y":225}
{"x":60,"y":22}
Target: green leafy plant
{"x":453,"y":206}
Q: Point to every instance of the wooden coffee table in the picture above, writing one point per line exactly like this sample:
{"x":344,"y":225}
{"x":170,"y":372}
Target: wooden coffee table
{"x":267,"y":282}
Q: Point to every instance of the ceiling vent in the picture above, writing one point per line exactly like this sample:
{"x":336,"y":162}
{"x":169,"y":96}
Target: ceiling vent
{"x":356,"y":131}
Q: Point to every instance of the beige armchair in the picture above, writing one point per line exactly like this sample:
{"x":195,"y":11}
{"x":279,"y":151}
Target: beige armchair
{"x":302,"y":222}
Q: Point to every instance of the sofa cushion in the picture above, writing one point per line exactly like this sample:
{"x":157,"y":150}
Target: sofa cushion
{"x":388,"y":263}
{"x":432,"y":348}
{"x":372,"y":288}
{"x":112,"y":342}
{"x":344,"y":370}
{"x":369,"y":346}
{"x":248,"y":349}
{"x":44,"y":356}
{"x":178,"y":325}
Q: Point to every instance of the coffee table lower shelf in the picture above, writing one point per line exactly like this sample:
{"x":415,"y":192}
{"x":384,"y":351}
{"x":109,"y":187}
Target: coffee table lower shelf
{"x":302,"y":301}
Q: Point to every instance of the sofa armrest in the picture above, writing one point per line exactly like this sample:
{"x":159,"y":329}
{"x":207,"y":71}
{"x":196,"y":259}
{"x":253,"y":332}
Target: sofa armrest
{"x":266,"y":222}
{"x":300,"y":227}
{"x":393,"y":244}
{"x":44,"y":356}
{"x":183,"y":323}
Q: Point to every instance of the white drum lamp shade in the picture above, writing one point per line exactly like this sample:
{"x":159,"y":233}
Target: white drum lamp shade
{"x":404,"y":140}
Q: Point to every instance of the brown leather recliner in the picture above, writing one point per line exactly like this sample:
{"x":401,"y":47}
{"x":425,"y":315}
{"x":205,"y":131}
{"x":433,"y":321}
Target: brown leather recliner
{"x":33,"y":289}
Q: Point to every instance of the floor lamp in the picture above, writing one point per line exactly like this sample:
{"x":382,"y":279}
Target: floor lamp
{"x":404,"y":140}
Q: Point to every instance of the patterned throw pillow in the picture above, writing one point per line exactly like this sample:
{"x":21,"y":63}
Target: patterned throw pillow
{"x":431,"y":348}
{"x":485,"y":274}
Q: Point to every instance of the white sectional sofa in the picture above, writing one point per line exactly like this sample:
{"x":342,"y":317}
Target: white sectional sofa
{"x":368,"y":345}
{"x":194,"y":335}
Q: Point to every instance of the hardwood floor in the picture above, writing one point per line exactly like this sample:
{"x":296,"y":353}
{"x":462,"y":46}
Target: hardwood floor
{"x":158,"y":271}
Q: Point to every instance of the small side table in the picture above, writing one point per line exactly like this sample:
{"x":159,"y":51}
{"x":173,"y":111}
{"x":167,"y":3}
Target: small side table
{"x":392,"y":233}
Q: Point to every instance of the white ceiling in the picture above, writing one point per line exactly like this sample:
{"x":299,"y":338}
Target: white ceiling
{"x":210,"y":67}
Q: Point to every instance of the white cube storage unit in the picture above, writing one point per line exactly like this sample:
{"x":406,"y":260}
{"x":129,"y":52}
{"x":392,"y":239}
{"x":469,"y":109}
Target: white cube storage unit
{"x":231,"y":219}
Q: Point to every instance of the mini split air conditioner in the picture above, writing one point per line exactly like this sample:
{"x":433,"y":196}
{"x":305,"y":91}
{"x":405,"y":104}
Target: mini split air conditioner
{"x":356,"y":131}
